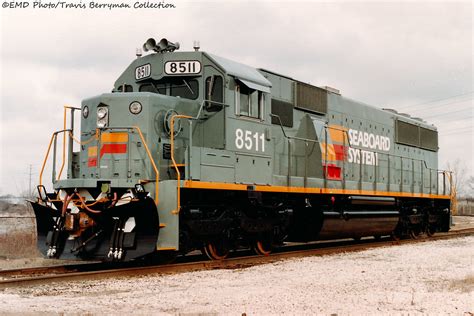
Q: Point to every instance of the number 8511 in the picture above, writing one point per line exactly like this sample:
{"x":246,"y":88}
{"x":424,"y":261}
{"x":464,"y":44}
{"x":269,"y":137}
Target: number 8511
{"x":249,"y":140}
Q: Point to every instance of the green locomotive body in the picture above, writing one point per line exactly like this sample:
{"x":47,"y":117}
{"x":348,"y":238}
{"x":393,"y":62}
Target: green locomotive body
{"x":194,"y":151}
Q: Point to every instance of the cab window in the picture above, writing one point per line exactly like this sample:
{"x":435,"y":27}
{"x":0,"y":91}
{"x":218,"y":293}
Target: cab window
{"x":125,"y":88}
{"x":249,"y":102}
{"x":176,"y":87}
{"x":214,"y":93}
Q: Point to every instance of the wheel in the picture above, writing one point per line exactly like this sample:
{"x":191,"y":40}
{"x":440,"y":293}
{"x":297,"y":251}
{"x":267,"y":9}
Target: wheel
{"x":216,"y":250}
{"x":430,"y":231}
{"x":395,"y":236}
{"x":262,"y":247}
{"x":415,"y":232}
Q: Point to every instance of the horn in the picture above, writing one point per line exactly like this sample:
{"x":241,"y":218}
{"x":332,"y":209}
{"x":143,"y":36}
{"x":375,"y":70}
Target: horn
{"x":165,"y":45}
{"x":150,"y":44}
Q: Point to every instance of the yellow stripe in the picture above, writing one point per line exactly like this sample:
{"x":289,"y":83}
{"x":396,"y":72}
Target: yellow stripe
{"x":337,"y":134}
{"x":114,"y":137}
{"x":262,"y":188}
{"x":331,"y":153}
{"x":92,"y":151}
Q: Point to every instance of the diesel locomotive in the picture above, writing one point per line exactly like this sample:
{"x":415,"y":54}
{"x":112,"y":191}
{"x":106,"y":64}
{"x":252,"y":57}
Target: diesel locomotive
{"x":192,"y":151}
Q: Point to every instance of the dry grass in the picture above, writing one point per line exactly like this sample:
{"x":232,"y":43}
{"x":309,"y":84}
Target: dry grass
{"x":465,"y":285}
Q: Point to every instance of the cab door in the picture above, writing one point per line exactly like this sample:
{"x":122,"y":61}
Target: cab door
{"x":213,"y":128}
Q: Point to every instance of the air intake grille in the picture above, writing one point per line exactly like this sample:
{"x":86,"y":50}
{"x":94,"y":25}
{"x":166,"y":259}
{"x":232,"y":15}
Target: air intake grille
{"x":311,"y":98}
{"x":407,"y":134}
{"x":284,"y":110}
{"x":413,"y":135}
{"x":428,"y":139}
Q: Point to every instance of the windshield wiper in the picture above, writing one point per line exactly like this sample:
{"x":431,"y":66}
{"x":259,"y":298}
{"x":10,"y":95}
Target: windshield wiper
{"x":189,"y":87}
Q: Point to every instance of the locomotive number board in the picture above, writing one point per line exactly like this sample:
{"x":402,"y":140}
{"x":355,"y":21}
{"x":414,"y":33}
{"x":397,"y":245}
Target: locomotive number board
{"x":182,"y":67}
{"x":143,"y":71}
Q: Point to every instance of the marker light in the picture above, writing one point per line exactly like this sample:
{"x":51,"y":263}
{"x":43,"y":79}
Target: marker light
{"x":85,"y":111}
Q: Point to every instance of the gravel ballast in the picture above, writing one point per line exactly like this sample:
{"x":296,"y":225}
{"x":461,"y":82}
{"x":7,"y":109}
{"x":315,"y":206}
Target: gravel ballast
{"x":426,"y":278}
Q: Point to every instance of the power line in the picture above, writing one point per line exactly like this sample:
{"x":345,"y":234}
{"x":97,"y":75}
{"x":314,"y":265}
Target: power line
{"x":446,"y":114}
{"x":440,"y":105}
{"x":457,"y":131}
{"x":433,"y":101}
{"x":464,"y":128}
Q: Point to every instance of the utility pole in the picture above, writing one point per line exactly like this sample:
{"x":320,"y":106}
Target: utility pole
{"x":30,"y":191}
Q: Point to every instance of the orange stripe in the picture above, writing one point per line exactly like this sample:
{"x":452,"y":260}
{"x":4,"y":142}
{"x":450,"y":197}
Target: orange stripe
{"x":92,"y":151}
{"x":263,"y":188}
{"x":331,"y":153}
{"x":337,"y":133}
{"x":114,"y":137}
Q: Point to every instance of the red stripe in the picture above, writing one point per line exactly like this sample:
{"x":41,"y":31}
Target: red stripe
{"x":341,"y":152}
{"x":333,"y":172}
{"x":113,"y":149}
{"x":92,"y":162}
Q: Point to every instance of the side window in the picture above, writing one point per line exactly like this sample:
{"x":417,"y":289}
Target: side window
{"x":216,"y":84}
{"x":214,"y":93}
{"x":249,"y":102}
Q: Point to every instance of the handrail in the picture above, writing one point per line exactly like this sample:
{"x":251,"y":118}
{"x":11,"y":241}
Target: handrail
{"x":64,"y":144}
{"x":45,"y":160}
{"x":66,"y":107}
{"x":93,"y":137}
{"x":350,"y":146}
{"x":157,"y":173}
{"x":175,"y":165}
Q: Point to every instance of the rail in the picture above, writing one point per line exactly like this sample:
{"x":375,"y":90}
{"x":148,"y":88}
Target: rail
{"x":423,"y":165}
{"x":94,"y":271}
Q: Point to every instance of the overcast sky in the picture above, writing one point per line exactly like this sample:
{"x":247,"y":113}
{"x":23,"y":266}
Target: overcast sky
{"x":416,"y":57}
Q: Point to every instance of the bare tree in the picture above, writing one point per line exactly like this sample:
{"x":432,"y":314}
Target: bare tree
{"x":470,"y":187}
{"x":460,"y":179}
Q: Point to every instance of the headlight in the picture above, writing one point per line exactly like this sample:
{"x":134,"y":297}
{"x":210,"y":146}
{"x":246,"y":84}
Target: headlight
{"x":135,"y":107}
{"x":102,"y":117}
{"x":102,"y":123}
{"x":101,"y":113}
{"x":85,"y":111}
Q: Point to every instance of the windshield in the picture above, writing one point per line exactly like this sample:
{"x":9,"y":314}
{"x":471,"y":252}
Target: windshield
{"x":176,"y":87}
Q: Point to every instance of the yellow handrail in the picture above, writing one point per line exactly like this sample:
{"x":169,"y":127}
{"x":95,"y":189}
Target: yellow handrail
{"x":157,"y":173}
{"x":93,"y":137}
{"x":152,"y":162}
{"x":175,"y":165}
{"x":453,"y":193}
{"x":46,"y":159}
{"x":64,"y":144}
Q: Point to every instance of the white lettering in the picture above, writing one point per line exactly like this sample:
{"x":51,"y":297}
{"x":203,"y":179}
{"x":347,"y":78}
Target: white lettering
{"x":368,"y":141}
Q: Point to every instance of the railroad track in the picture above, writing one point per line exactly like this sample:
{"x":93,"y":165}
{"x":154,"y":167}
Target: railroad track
{"x":96,"y":271}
